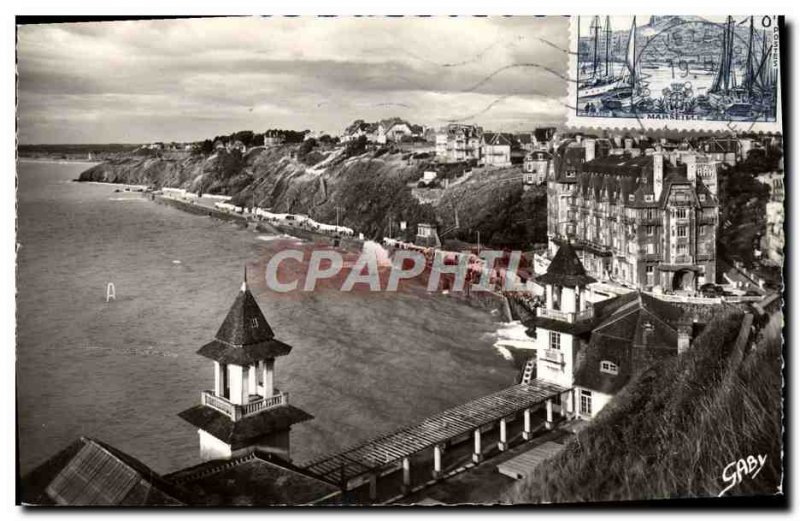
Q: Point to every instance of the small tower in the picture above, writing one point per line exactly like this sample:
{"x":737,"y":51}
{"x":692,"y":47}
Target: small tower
{"x":559,"y":323}
{"x":244,"y":411}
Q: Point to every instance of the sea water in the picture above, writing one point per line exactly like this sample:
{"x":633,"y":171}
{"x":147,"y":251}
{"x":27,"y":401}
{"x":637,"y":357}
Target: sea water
{"x":362,"y":364}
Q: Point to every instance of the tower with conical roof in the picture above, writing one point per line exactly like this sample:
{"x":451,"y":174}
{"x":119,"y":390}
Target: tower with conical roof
{"x":244,"y":411}
{"x":565,"y":315}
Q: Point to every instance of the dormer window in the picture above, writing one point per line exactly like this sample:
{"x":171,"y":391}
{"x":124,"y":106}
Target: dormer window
{"x":648,"y":198}
{"x":254,"y":323}
{"x":630,"y":198}
{"x":702,"y":198}
{"x":609,"y":367}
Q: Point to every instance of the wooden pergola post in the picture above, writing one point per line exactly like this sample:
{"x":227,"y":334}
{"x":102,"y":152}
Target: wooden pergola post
{"x":406,"y":475}
{"x":503,"y":443}
{"x":549,"y":407}
{"x":477,"y":456}
{"x":373,"y":486}
{"x":527,"y":434}
{"x":437,"y":461}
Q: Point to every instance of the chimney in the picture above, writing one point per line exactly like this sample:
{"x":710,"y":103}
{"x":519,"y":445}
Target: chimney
{"x":628,"y":143}
{"x":658,"y":174}
{"x":691,"y":166}
{"x":589,"y":148}
{"x":578,"y":138}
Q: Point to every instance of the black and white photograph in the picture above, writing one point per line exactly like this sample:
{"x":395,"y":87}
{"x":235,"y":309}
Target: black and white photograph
{"x":420,"y":261}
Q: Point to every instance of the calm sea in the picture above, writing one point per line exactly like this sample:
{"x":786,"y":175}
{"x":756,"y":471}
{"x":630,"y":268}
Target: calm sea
{"x":362,"y":364}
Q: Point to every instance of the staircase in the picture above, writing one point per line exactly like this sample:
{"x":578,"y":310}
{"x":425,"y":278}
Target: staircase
{"x":528,"y":371}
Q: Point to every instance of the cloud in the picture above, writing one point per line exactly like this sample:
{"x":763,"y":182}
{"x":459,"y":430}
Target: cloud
{"x":188,"y":79}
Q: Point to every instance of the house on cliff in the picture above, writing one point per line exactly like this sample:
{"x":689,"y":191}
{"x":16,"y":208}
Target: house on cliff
{"x":596,"y":348}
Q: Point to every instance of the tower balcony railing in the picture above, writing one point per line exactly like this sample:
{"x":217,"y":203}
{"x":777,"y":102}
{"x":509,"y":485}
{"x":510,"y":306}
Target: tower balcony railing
{"x":566,"y":316}
{"x":235,"y":411}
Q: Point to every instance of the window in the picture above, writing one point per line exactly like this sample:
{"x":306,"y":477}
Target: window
{"x":651,"y":249}
{"x":702,"y":198}
{"x":681,"y":231}
{"x":586,"y":402}
{"x":609,"y":367}
{"x":683,"y":249}
{"x":650,"y":229}
{"x":630,"y":198}
{"x":648,"y":198}
{"x":681,"y":213}
{"x":555,"y":340}
{"x":254,"y":323}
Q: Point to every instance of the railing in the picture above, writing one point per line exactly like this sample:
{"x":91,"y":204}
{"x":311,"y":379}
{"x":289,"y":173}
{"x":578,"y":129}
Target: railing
{"x":553,"y":355}
{"x":218,"y":403}
{"x":566,"y":316}
{"x":235,"y":411}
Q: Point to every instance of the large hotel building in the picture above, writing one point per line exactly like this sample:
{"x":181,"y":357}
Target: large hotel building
{"x":643,"y":218}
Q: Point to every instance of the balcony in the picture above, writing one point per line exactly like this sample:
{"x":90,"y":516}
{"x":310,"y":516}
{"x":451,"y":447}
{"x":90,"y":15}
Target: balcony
{"x":553,"y":355}
{"x":566,"y":316}
{"x":237,"y":412}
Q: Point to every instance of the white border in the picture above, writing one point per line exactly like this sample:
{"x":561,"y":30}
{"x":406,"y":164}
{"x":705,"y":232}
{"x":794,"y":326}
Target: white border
{"x":343,"y":7}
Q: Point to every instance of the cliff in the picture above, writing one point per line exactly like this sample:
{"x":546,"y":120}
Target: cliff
{"x":371,"y":190}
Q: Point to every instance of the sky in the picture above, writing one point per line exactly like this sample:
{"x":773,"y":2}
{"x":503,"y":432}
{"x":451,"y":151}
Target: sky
{"x":191,"y":79}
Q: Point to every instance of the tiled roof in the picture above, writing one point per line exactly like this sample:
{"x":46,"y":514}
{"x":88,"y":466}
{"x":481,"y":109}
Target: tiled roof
{"x":245,"y":336}
{"x":91,"y":473}
{"x":565,"y":269}
{"x":247,"y":429}
{"x":634,"y":335}
{"x":256,"y":479}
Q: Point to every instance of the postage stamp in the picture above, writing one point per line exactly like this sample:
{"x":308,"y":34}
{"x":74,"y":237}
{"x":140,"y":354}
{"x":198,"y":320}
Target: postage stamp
{"x":717,"y":73}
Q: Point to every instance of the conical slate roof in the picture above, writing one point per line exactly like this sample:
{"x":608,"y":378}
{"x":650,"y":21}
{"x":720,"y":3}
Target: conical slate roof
{"x":244,"y":337}
{"x":245,"y":324}
{"x":565,"y":269}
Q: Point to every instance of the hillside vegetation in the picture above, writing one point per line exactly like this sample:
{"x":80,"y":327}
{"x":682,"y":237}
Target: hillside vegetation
{"x":370,"y":190}
{"x":672,"y":431}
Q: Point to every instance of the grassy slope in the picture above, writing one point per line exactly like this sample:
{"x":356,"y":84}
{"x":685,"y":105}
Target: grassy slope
{"x":673,"y":430}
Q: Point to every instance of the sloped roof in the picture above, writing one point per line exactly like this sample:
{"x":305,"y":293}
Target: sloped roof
{"x":247,"y":429}
{"x":245,"y":336}
{"x":91,"y":473}
{"x":565,"y":269}
{"x":634,"y":335}
{"x":256,"y":479}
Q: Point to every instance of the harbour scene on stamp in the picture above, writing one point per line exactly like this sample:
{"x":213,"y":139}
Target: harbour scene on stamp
{"x":252,"y":271}
{"x":705,"y":68}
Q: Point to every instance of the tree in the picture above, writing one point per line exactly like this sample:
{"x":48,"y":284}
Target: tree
{"x":356,"y":147}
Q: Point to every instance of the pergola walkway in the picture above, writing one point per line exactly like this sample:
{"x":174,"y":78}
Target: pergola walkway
{"x":369,"y":460}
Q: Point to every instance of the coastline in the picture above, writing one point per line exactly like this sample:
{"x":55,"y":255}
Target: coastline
{"x":27,"y":159}
{"x":491,"y":303}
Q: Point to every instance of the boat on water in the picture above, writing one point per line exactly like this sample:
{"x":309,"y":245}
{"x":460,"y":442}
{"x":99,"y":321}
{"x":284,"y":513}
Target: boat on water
{"x":630,"y":91}
{"x":755,"y":93}
{"x":602,"y":80}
